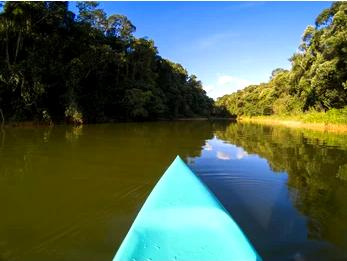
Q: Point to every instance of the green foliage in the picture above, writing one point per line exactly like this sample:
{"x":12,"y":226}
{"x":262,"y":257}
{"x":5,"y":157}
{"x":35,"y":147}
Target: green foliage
{"x":137,"y":100}
{"x":87,"y":67}
{"x":46,"y":117}
{"x":316,"y":80}
{"x":72,"y":115}
{"x":333,"y":116}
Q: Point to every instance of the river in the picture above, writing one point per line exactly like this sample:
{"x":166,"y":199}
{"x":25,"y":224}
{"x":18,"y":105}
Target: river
{"x":71,"y":193}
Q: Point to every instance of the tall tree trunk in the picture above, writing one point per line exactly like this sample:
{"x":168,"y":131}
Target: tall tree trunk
{"x":2,"y":119}
{"x":7,"y":54}
{"x":17,"y":47}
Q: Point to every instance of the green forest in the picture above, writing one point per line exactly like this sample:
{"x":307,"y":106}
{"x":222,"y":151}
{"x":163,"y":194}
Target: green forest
{"x":316,"y":81}
{"x":57,"y":66}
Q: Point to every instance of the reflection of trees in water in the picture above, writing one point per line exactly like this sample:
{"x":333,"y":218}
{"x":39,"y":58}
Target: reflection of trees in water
{"x":161,"y":140}
{"x":316,"y":164}
{"x":73,"y":133}
{"x":2,"y":130}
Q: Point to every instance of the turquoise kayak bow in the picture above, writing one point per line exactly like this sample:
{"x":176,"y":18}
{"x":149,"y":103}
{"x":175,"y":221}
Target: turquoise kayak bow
{"x":182,"y":220}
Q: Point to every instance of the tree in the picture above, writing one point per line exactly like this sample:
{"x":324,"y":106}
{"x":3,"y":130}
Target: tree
{"x":317,"y":79}
{"x":87,"y":67}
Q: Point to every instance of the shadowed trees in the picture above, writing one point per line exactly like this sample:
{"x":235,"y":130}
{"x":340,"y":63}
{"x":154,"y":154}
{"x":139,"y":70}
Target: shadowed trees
{"x":87,"y":67}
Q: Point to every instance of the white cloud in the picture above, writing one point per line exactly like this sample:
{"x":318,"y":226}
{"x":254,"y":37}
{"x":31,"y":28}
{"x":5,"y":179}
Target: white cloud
{"x":232,"y":83}
{"x":226,"y":84}
{"x":237,"y":154}
{"x":227,"y":80}
{"x":208,"y":88}
{"x":240,"y":154}
{"x":223,"y":156}
{"x":208,"y":147}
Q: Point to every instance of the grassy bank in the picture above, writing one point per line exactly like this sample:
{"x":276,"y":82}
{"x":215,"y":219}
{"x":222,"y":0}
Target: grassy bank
{"x":333,"y":120}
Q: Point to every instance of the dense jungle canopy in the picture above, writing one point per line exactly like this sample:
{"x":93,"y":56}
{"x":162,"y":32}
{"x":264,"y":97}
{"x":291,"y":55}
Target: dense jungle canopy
{"x":316,"y":81}
{"x":87,"y":67}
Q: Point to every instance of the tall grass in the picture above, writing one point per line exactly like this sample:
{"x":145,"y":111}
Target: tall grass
{"x":333,"y":116}
{"x":332,"y":120}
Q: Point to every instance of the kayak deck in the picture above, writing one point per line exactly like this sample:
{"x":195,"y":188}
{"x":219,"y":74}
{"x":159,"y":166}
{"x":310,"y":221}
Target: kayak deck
{"x":182,"y":220}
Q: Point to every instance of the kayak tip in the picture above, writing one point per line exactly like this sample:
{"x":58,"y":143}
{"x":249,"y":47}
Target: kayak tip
{"x":178,"y":159}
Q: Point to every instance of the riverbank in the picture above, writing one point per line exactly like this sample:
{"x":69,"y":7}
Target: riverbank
{"x":334,"y":120}
{"x":32,"y":124}
{"x":207,"y":119}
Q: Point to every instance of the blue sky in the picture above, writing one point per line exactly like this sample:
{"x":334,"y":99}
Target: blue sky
{"x":227,"y":45}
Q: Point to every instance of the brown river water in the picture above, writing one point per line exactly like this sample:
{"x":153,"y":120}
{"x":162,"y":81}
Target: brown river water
{"x":71,"y":193}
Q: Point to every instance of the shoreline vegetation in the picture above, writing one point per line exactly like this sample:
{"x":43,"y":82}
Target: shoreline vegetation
{"x":334,"y":120}
{"x":60,"y":67}
{"x":29,"y":124}
{"x":87,"y":67}
{"x":299,"y":121}
{"x":313,"y":92}
{"x":290,"y":121}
